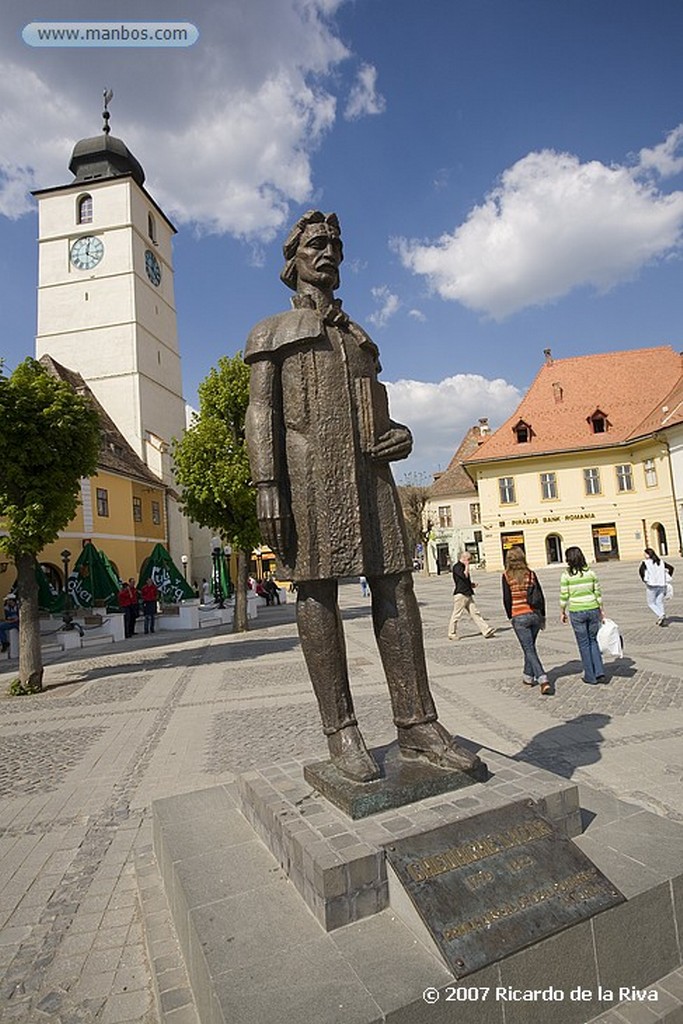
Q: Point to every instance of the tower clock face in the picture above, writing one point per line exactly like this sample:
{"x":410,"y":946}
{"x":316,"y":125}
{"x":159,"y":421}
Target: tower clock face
{"x":87,"y":252}
{"x":152,"y":267}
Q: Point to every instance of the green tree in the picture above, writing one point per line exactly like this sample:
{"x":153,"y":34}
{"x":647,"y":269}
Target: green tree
{"x":212,"y":469}
{"x":51,"y":438}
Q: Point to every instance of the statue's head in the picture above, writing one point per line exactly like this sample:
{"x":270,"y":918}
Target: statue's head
{"x":313,"y":227}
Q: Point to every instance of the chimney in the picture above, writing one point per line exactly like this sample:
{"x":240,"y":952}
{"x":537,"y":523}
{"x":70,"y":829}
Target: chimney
{"x":548,"y":353}
{"x":484,"y":428}
{"x":557,"y":393}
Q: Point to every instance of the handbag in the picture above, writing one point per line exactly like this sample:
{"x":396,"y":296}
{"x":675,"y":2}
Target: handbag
{"x":609,"y":639}
{"x":534,"y":595}
{"x":669,"y":592}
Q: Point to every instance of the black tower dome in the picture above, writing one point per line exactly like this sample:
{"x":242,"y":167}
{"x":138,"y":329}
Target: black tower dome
{"x":104,"y":156}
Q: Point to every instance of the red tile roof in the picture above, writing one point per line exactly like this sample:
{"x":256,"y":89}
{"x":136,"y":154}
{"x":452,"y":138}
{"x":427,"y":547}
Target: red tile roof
{"x":628,"y":387}
{"x":116,"y":455}
{"x":454,"y":479}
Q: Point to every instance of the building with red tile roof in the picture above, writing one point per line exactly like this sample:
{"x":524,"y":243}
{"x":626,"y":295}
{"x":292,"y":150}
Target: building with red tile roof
{"x":452,"y":509}
{"x":591,"y":456}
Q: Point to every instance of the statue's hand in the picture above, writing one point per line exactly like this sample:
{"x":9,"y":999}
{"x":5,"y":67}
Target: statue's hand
{"x":396,"y":444}
{"x":275,"y":518}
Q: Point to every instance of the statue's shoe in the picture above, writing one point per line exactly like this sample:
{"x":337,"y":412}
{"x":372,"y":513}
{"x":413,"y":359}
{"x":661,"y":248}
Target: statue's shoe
{"x":350,"y":756}
{"x":431,"y":742}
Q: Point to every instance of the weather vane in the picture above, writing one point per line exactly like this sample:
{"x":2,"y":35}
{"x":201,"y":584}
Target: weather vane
{"x":108,"y":96}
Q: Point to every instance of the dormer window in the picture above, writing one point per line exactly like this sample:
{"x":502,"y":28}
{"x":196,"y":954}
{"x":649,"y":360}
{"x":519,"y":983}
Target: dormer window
{"x":84,"y":210}
{"x":598,"y":422}
{"x":522,"y":432}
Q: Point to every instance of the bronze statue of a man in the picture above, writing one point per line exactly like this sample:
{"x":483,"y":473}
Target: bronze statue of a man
{"x":320,"y":442}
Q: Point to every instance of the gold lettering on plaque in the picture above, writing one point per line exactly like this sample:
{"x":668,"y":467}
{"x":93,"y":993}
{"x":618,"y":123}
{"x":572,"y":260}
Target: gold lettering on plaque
{"x":477,"y":849}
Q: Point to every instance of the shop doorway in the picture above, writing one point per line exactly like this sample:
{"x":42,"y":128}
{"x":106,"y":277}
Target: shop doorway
{"x":442,"y":558}
{"x":605,"y":543}
{"x":511,"y":540}
{"x":659,"y":538}
{"x":553,"y":548}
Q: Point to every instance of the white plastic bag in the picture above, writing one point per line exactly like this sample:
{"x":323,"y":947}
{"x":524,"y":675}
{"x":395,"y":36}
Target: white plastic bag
{"x":669,"y":591}
{"x":609,"y":639}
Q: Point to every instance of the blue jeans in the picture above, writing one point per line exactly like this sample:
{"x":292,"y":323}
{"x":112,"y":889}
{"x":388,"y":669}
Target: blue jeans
{"x":526,"y":629}
{"x":586,"y":626}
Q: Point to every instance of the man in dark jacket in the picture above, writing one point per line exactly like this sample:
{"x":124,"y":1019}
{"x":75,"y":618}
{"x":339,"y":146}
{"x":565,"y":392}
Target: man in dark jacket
{"x":463,"y":599}
{"x":320,"y":444}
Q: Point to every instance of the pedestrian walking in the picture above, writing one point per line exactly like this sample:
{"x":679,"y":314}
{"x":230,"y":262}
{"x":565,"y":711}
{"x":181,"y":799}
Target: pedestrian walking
{"x":463,"y":599}
{"x":581,"y":596}
{"x":150,"y":596}
{"x":364,"y":587}
{"x":524,"y":604}
{"x":655,"y":574}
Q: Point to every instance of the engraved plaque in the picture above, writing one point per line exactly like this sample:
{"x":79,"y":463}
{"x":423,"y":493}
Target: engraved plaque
{"x":492,"y":884}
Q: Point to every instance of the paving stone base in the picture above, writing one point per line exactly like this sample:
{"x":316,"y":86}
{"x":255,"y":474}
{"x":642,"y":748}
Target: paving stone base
{"x":338,"y":865}
{"x":255,"y":953}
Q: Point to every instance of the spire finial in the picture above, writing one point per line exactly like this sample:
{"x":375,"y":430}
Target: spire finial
{"x":108,"y":96}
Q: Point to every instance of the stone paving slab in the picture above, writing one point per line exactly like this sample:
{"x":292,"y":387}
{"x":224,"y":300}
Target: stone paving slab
{"x":160,"y":716}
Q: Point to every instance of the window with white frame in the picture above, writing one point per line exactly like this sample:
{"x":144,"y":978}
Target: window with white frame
{"x":548,"y":486}
{"x":444,"y":516}
{"x":591,"y":480}
{"x":475,"y":513}
{"x":84,"y":210}
{"x":625,"y":477}
{"x":650,"y":473}
{"x":506,"y":486}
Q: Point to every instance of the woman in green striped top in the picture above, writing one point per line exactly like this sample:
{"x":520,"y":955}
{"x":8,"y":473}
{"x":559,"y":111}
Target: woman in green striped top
{"x":581,"y":596}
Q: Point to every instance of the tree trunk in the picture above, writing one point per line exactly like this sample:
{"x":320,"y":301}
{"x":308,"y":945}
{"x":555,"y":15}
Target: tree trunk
{"x":30,"y":653}
{"x":240,"y":623}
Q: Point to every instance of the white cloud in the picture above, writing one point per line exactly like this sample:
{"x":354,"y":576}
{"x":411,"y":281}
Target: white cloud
{"x":418,"y":315}
{"x":243,"y":119}
{"x":364,"y":98}
{"x":551,"y":225}
{"x":663,"y":158}
{"x":440,"y":414}
{"x":389,"y":305}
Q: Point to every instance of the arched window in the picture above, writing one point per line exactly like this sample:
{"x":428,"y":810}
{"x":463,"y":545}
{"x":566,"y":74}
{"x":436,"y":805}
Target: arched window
{"x":84,"y":210}
{"x":151,"y":227}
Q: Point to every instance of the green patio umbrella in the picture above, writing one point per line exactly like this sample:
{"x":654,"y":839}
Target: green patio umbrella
{"x":49,"y":599}
{"x":173,"y":587}
{"x":91,"y":581}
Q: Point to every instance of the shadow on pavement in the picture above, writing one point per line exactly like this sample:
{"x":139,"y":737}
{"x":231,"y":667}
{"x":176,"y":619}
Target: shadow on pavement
{"x":564,"y":748}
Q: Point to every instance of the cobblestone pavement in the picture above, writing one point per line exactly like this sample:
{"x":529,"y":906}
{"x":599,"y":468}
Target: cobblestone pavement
{"x":157,"y":716}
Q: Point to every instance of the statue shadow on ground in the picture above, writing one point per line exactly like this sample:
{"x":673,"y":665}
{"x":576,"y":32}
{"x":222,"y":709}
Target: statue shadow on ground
{"x":564,"y":748}
{"x":623,"y":668}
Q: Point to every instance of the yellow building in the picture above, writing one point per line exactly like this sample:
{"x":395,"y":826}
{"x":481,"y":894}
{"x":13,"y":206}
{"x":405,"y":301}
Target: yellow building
{"x":581,"y":462}
{"x":122,"y":509}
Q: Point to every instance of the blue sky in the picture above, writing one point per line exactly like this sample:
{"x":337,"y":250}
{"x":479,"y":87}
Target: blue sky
{"x":508,"y":174}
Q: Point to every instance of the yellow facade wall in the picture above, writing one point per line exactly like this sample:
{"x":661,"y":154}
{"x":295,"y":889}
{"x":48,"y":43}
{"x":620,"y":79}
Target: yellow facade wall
{"x":126,"y":541}
{"x":637,"y":516}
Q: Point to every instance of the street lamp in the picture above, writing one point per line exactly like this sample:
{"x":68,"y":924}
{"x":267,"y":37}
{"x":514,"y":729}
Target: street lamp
{"x":183,"y":559}
{"x":216,"y":547}
{"x":228,"y":552}
{"x":67,"y":617}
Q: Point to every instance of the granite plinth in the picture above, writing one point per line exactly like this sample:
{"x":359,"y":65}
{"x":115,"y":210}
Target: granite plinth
{"x":401,"y":782}
{"x":338,"y":863}
{"x":254,"y":953}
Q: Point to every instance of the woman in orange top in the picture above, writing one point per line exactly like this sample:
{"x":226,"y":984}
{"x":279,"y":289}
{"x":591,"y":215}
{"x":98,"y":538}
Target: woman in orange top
{"x":525,"y":607}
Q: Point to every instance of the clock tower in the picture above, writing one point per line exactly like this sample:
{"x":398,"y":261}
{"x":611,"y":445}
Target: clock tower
{"x":106,"y":306}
